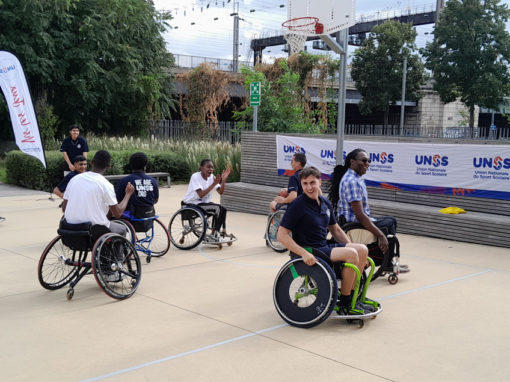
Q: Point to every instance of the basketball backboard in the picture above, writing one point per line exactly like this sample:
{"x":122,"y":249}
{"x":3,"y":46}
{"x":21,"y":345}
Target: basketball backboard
{"x":335,"y":15}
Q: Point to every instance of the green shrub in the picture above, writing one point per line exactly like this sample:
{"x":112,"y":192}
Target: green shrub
{"x":27,"y":171}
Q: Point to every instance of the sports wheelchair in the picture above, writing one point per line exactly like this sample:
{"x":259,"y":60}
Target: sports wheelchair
{"x":273,"y":222}
{"x":114,"y":261}
{"x":188,"y":228}
{"x":304,"y":296}
{"x":148,"y":234}
{"x":385,"y":263}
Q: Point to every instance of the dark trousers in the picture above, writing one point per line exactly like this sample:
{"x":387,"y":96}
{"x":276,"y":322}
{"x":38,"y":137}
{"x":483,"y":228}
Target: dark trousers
{"x":220,"y":214}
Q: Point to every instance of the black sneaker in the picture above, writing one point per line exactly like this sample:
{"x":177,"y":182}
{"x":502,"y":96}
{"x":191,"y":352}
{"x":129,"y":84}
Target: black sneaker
{"x":348,"y":311}
{"x":365,"y":307}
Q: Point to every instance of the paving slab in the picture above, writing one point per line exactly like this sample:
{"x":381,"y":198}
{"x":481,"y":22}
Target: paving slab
{"x":208,"y":314}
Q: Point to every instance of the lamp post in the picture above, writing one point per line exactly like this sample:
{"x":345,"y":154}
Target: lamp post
{"x":403,"y":102}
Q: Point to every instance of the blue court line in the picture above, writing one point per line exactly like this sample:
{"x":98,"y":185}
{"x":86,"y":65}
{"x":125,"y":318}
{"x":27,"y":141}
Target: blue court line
{"x":235,"y":339}
{"x":237,"y":263}
{"x":133,"y":368}
{"x":434,"y":285}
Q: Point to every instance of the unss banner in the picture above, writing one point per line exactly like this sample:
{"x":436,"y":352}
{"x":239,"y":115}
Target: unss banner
{"x":469,"y":170}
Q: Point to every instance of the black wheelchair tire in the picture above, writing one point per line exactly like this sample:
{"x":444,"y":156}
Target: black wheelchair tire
{"x":161,"y":241}
{"x":187,"y":237}
{"x":325,"y":299}
{"x":52,"y":271}
{"x":127,"y":275}
{"x":271,"y":226}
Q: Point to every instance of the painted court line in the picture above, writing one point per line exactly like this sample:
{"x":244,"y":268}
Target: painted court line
{"x":235,"y":339}
{"x":184,"y":354}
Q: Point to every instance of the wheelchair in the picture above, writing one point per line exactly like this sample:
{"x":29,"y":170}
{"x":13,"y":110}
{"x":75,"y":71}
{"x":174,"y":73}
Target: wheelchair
{"x":385,"y":263}
{"x":149,"y":235}
{"x":305,"y":296}
{"x":114,"y":261}
{"x":189,"y":227}
{"x":273,"y":222}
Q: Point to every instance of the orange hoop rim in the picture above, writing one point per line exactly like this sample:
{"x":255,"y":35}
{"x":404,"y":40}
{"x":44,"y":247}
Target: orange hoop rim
{"x":308,"y":21}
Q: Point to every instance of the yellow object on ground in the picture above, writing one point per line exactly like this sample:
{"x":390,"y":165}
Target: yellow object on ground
{"x":452,"y":210}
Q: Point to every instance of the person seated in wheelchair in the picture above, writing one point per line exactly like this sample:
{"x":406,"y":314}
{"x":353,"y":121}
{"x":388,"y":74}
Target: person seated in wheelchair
{"x":146,"y":194}
{"x":80,"y":165}
{"x":308,"y":219}
{"x":90,"y":197}
{"x":199,"y":193}
{"x":294,"y":189}
{"x":348,"y":193}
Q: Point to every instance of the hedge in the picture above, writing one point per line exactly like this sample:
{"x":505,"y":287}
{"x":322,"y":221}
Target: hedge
{"x":27,"y":171}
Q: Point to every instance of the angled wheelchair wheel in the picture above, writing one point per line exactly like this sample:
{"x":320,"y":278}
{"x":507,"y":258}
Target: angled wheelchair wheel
{"x":116,"y":266}
{"x":131,"y":233}
{"x":56,"y":268}
{"x":305,"y":296}
{"x":160,"y":243}
{"x":272,"y":231}
{"x":187,"y":228}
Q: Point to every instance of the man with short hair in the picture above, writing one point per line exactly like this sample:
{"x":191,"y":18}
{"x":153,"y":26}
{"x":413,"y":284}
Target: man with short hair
{"x":89,"y":197}
{"x":294,"y":189}
{"x":80,"y":165}
{"x":146,"y":188}
{"x":309,"y":218}
{"x":72,"y":146}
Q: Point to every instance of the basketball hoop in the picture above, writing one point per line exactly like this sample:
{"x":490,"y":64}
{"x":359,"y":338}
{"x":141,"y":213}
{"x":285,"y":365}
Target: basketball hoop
{"x":295,"y":31}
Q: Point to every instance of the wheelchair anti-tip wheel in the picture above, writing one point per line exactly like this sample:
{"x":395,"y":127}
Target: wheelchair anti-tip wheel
{"x":305,"y":296}
{"x":116,"y":266}
{"x":187,"y":227}
{"x":56,"y":269}
{"x":272,"y":231}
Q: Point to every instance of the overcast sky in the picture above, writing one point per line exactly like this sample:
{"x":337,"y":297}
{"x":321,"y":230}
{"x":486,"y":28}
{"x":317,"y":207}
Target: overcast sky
{"x":205,"y":27}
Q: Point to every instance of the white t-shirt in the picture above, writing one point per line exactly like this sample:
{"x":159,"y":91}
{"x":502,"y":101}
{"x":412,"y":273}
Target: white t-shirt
{"x":89,"y":196}
{"x":197,"y":182}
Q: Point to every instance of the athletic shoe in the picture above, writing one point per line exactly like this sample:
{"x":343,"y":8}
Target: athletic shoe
{"x":365,"y":307}
{"x":348,"y":311}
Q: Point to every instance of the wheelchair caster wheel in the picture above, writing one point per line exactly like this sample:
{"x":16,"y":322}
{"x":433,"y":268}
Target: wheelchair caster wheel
{"x":148,"y":259}
{"x":229,"y":244}
{"x":220,"y":246}
{"x":393,"y":279}
{"x":70,"y":294}
{"x":361,"y":323}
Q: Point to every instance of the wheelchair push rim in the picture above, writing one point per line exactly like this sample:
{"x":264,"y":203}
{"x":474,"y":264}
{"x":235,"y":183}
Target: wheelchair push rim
{"x":116,"y":266}
{"x":272,"y":230}
{"x":304,"y":296}
{"x":187,"y":228}
{"x":56,"y":266}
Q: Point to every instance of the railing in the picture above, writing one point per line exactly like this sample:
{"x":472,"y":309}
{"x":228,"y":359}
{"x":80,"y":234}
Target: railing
{"x":461,"y":132}
{"x":182,"y":130}
{"x":184,"y":61}
{"x":389,"y":13}
{"x":230,"y":132}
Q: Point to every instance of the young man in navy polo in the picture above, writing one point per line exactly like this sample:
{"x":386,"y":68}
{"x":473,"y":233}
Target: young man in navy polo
{"x":294,"y":189}
{"x":141,"y":203}
{"x":309,"y":218}
{"x":72,"y":146}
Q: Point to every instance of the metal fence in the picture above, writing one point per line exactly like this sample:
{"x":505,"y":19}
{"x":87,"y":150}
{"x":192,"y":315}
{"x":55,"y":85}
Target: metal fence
{"x":182,"y":130}
{"x":460,"y":132}
{"x":230,"y":131}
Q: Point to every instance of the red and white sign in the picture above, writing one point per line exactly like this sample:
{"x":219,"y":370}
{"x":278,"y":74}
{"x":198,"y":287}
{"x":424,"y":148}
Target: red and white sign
{"x":24,"y":123}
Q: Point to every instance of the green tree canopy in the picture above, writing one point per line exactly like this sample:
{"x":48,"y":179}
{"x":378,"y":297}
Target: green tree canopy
{"x":470,"y":53}
{"x":377,"y":67}
{"x":101,"y":63}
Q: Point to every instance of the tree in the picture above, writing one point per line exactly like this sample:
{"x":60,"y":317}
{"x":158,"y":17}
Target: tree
{"x":470,"y":54}
{"x":102,"y":63}
{"x":377,"y":67}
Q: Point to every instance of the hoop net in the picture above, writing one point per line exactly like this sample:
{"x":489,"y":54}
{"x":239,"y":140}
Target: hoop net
{"x":295,"y":32}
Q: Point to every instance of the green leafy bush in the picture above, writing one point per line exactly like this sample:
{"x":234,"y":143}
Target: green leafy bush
{"x":27,"y":171}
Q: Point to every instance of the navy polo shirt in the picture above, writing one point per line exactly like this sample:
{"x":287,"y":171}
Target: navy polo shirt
{"x":74,"y":148}
{"x":146,"y":190}
{"x":295,"y":183}
{"x":308,"y":221}
{"x":64,"y":182}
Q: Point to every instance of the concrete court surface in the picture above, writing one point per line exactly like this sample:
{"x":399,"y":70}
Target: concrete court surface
{"x":208,"y":315}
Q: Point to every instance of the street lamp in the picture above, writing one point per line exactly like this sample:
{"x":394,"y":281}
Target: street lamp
{"x":403,"y":102}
